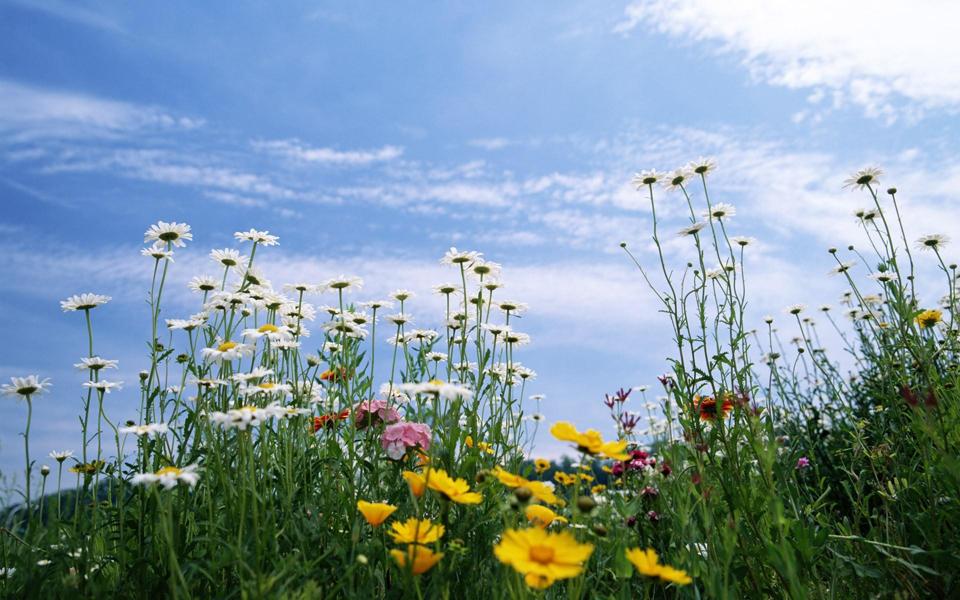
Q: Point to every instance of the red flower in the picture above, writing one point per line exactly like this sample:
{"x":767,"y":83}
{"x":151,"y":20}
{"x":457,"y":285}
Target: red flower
{"x":707,"y":407}
{"x":329,"y":420}
{"x":334,"y":375}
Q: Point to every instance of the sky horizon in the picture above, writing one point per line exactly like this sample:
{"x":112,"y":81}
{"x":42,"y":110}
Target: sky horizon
{"x":372,"y":137}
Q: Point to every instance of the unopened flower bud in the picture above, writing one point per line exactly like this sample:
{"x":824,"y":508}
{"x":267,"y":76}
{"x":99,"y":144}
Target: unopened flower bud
{"x":44,"y":470}
{"x":523,"y":494}
{"x":586,"y":504}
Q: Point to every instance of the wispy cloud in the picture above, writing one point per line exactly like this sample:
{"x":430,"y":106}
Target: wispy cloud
{"x":892,"y":59}
{"x":298,"y":151}
{"x":73,"y":12}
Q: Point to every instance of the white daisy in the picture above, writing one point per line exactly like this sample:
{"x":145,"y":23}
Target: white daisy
{"x":226,"y":257}
{"x":702,"y":166}
{"x":933,"y":241}
{"x":148,"y":430}
{"x":346,"y":328}
{"x":795,"y":309}
{"x":676,"y":178}
{"x":646,"y":178}
{"x":344,"y":282}
{"x":511,"y":306}
{"x":83,"y":302}
{"x":399,"y":318}
{"x":203,"y":283}
{"x":257,"y":373}
{"x":743,"y":241}
{"x":486,"y":268}
{"x":884,"y":276}
{"x":184,"y":324}
{"x":842,"y":267}
{"x":103,"y":385}
{"x":265,"y":387}
{"x":60,"y":455}
{"x":439,"y":388}
{"x":227,"y":351}
{"x":262,"y":238}
{"x":863,"y":178}
{"x":95,"y":363}
{"x":31,"y":385}
{"x":691,"y":229}
{"x":516,"y":338}
{"x":458,"y":257}
{"x":169,"y":477}
{"x":269,"y":330}
{"x":377,"y":304}
{"x":301,"y":288}
{"x":445,"y":289}
{"x":158,"y":251}
{"x":402,"y":295}
{"x":173,"y":233}
{"x":720,"y":210}
{"x":436,"y":356}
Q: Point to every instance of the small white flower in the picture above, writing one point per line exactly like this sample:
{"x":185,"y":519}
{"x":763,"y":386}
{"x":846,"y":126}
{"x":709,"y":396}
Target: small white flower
{"x":377,"y":304}
{"x":402,"y":295}
{"x":743,"y":241}
{"x":646,"y":178}
{"x":884,"y":276}
{"x":676,"y":178}
{"x":516,"y":338}
{"x":95,"y":363}
{"x":262,"y":238}
{"x":148,"y":430}
{"x":344,"y":282}
{"x":457,"y":257}
{"x":399,"y":318}
{"x":226,"y":257}
{"x":863,"y":178}
{"x":31,"y":385}
{"x":257,"y":373}
{"x":445,"y":289}
{"x":184,"y":324}
{"x":83,"y":302}
{"x":511,"y":306}
{"x":301,"y":288}
{"x":103,"y":385}
{"x":702,"y":166}
{"x":842,"y":267}
{"x":227,"y":351}
{"x":169,"y":477}
{"x":719,"y":211}
{"x":173,"y":233}
{"x":203,"y":283}
{"x":486,"y":268}
{"x":795,"y":309}
{"x":691,"y":229}
{"x":60,"y":455}
{"x":932,"y":242}
{"x":158,"y":251}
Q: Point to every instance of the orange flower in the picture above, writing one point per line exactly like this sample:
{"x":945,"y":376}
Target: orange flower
{"x":416,"y":482}
{"x":421,"y":558}
{"x":707,"y":406}
{"x":334,"y":375}
{"x":375,"y":512}
{"x":329,"y":420}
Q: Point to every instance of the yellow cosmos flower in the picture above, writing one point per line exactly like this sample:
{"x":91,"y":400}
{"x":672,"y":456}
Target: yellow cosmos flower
{"x":929,"y":318}
{"x":537,"y":582}
{"x":540,"y":490}
{"x":455,"y":490}
{"x":421,"y":558}
{"x":648,"y":563}
{"x":564,"y":478}
{"x":416,"y":482}
{"x":375,"y":512}
{"x":415,"y":531}
{"x":481,"y":446}
{"x":541,"y":555}
{"x":542,"y":465}
{"x":598,"y":489}
{"x":585,"y":477}
{"x":589,"y":441}
{"x":541,"y":516}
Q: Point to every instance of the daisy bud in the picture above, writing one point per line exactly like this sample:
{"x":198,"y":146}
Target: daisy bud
{"x":182,"y":358}
{"x":586,"y":504}
{"x":44,"y":470}
{"x":600,"y":530}
{"x":832,"y":250}
{"x":892,"y":191}
{"x":144,"y":375}
{"x":523,"y":494}
{"x":850,"y":247}
{"x":623,"y":244}
{"x":362,"y":559}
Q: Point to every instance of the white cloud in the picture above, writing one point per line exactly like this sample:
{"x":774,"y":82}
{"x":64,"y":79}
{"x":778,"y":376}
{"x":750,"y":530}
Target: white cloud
{"x":496,"y":143}
{"x":29,"y":112}
{"x":296,"y":150}
{"x":890,"y":58}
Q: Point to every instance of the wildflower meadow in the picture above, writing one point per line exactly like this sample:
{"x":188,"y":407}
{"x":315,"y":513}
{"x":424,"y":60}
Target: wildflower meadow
{"x":303,"y":440}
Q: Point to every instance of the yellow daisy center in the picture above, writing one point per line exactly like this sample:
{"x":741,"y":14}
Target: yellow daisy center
{"x":266,"y":385}
{"x":541,"y":554}
{"x":226,"y":346}
{"x":168,"y":471}
{"x":268,"y":328}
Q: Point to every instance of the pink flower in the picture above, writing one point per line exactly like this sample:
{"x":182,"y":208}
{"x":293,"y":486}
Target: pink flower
{"x":803,"y":462}
{"x":402,"y":436}
{"x":374,"y":412}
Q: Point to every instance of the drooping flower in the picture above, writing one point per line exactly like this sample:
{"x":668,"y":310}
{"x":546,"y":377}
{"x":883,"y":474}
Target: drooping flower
{"x":647,"y":563}
{"x":542,"y":516}
{"x":173,"y":233}
{"x":169,"y":477}
{"x":420,"y":558}
{"x":453,"y":489}
{"x":416,"y":531}
{"x":541,"y":556}
{"x":402,"y":436}
{"x":83,"y":302}
{"x":589,"y":441}
{"x":375,"y":512}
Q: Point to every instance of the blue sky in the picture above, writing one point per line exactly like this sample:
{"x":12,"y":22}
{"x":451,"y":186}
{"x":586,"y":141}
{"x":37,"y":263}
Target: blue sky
{"x":372,"y":136}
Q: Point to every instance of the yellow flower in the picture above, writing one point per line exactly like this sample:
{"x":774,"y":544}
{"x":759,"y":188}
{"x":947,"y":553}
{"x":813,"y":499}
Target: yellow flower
{"x":541,"y":516}
{"x":585,"y":477}
{"x":416,"y":482}
{"x":541,"y":465}
{"x":589,"y":441}
{"x":598,"y":489}
{"x":564,"y":478}
{"x":929,"y":318}
{"x":538,"y":582}
{"x":415,"y":531}
{"x":540,"y":490}
{"x":421,"y":557}
{"x":468,"y":441}
{"x":455,"y":490}
{"x":375,"y":512}
{"x":648,"y":563}
{"x":542,"y":556}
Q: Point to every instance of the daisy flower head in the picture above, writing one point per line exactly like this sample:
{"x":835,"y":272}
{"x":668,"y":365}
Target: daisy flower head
{"x":344,"y":283}
{"x":103,"y":386}
{"x":262,"y":238}
{"x":226,"y":257}
{"x":648,"y":177}
{"x":460,"y":257}
{"x":676,"y":178}
{"x":743,"y":241}
{"x":31,"y":385}
{"x":148,"y":430}
{"x":203,"y":283}
{"x":702,"y":166}
{"x":60,"y":455}
{"x":83,"y":302}
{"x":169,"y":477}
{"x":542,"y":557}
{"x":692,"y":229}
{"x":934,"y":241}
{"x":445,"y":289}
{"x":843,"y":267}
{"x":884,"y":276}
{"x":486,"y":268}
{"x":377,"y":304}
{"x":226,"y":351}
{"x":795,"y":309}
{"x":95,"y":363}
{"x":173,"y":233}
{"x":513,"y":307}
{"x":719,"y":211}
{"x":158,"y":251}
{"x":184,"y":324}
{"x":863,"y":178}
